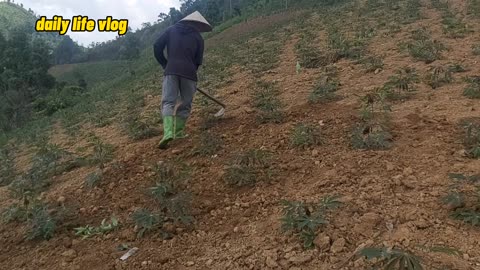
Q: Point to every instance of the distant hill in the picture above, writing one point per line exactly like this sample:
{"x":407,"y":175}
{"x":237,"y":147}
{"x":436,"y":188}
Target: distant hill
{"x":13,"y":16}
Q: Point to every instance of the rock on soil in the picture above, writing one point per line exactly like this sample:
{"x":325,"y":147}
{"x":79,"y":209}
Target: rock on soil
{"x":338,"y":245}
{"x":322,"y":242}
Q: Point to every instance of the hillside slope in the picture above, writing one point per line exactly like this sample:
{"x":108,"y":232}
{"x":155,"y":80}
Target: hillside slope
{"x":12,"y":16}
{"x":375,"y":115}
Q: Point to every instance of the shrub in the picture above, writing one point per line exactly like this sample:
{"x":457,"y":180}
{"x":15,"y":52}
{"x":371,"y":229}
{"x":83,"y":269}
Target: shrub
{"x":305,"y":219}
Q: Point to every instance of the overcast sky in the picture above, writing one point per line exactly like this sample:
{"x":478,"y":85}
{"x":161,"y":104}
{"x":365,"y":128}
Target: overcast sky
{"x":136,"y":11}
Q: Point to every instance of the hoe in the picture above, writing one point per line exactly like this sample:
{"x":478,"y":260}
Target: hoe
{"x":221,"y":112}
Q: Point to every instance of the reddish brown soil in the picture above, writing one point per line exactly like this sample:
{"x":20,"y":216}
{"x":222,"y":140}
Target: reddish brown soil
{"x":390,"y":197}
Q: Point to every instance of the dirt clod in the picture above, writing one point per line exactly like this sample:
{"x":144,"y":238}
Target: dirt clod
{"x":338,"y":245}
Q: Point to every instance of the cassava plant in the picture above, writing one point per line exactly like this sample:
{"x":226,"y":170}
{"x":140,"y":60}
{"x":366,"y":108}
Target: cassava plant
{"x":102,"y":152}
{"x":247,"y":168}
{"x":147,"y":221}
{"x":373,"y":130}
{"x":172,"y":203}
{"x":424,"y":48}
{"x":371,"y":63}
{"x":472,"y":139}
{"x":472,"y":91}
{"x":266,"y":100}
{"x":324,"y":91}
{"x":304,"y":219}
{"x":209,"y":144}
{"x":305,"y":135}
{"x":93,"y":179}
{"x":438,"y":76}
{"x":402,"y":84}
{"x":463,"y":198}
{"x":392,"y":259}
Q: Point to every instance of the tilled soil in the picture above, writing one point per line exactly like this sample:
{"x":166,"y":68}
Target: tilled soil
{"x":390,"y":198}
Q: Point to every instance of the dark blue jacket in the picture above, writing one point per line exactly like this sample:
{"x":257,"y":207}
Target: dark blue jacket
{"x":185,"y":48}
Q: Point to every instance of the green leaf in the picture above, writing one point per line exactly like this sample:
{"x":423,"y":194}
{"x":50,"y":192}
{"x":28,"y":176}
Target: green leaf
{"x":374,"y":253}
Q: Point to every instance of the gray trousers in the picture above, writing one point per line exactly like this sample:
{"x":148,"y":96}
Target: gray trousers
{"x":174,"y":88}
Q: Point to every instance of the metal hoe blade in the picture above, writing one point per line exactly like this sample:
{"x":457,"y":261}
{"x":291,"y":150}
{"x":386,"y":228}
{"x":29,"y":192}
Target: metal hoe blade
{"x":220,"y":113}
{"x":222,"y":110}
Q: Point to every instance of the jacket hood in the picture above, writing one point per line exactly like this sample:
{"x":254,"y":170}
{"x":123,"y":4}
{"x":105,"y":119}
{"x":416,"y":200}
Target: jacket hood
{"x":198,"y":21}
{"x":185,"y":28}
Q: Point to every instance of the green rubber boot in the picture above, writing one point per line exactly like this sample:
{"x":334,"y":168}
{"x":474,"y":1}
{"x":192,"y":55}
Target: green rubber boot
{"x":168,"y":132}
{"x":179,"y":124}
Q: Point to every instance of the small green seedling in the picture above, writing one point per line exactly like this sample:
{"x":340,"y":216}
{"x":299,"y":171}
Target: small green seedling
{"x":104,"y":228}
{"x":392,"y":259}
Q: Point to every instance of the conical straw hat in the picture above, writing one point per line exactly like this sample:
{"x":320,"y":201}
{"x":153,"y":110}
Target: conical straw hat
{"x":200,"y":22}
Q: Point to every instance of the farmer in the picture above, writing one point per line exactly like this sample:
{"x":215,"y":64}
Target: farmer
{"x":184,"y":56}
